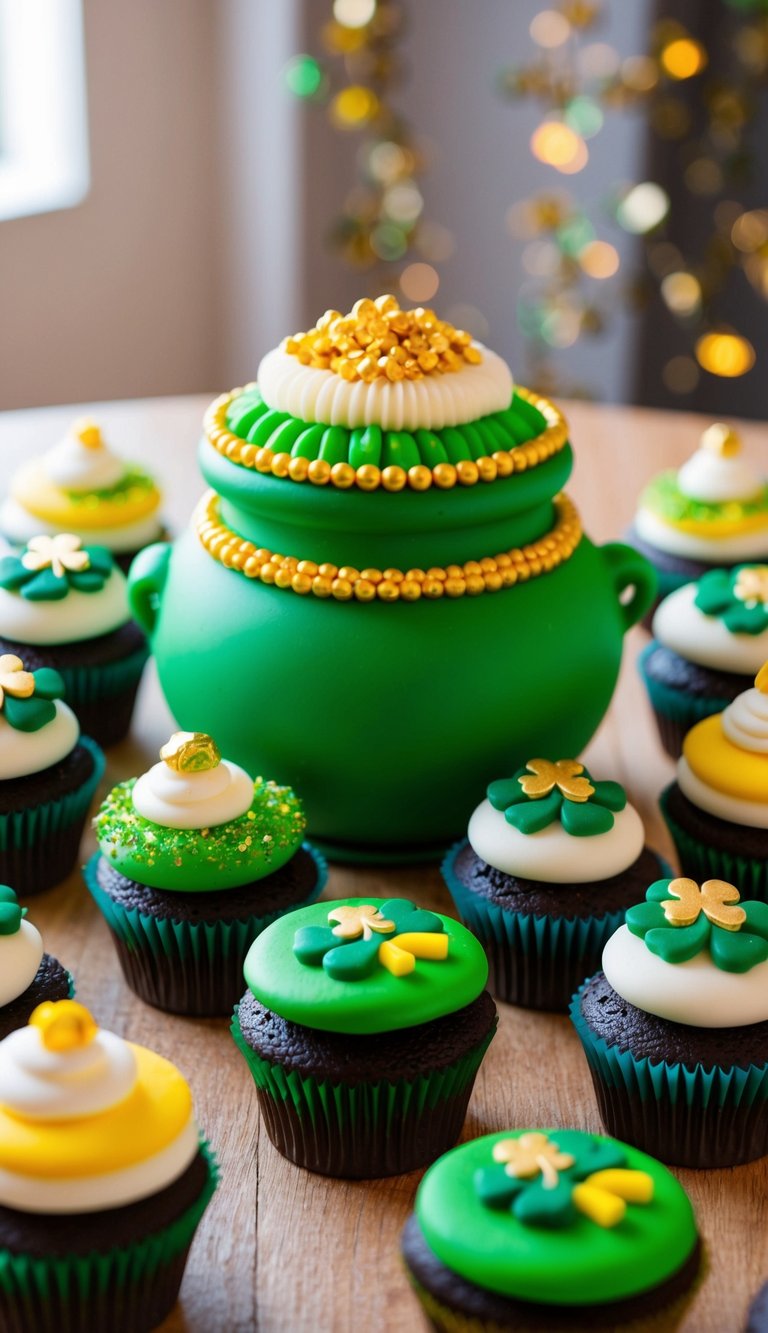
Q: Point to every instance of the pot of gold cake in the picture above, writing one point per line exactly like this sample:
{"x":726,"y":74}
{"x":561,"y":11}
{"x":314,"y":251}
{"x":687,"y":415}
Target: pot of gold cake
{"x":385,"y":594}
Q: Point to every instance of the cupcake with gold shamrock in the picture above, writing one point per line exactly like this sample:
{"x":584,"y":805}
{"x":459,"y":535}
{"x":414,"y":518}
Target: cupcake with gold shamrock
{"x":65,"y":605}
{"x":104,"y":1178}
{"x":717,"y":809}
{"x":81,"y":486}
{"x":48,"y":775}
{"x":28,"y":975}
{"x":195,"y":859}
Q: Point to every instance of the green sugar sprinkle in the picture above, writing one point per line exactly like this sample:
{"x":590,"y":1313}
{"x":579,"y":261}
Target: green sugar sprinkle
{"x":133,"y":481}
{"x":664,"y":498}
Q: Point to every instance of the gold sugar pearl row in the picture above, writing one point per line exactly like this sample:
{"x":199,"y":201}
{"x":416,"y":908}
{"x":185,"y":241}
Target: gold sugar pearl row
{"x":501,"y":464}
{"x":490,"y":574}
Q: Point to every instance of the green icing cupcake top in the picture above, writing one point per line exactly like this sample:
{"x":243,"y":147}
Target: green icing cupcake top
{"x":365,"y":966}
{"x":555,"y":1216}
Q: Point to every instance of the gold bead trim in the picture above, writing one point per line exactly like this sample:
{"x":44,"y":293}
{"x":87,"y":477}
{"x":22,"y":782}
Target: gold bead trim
{"x":501,"y":464}
{"x":490,"y":574}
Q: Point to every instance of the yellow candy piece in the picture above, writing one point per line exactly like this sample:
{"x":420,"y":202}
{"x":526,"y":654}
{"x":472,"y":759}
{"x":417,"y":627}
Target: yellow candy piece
{"x":598,"y":1205}
{"x":724,"y":766}
{"x":632,"y":1186}
{"x":761,"y":679}
{"x":423,"y":944}
{"x":64,"y":1024}
{"x":32,"y":489}
{"x":395,"y":960}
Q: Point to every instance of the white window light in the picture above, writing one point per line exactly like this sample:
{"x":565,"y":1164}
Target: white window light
{"x":43,"y":121}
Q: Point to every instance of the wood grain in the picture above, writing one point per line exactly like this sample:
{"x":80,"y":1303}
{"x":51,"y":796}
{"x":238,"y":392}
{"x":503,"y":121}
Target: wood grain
{"x":280,"y":1249}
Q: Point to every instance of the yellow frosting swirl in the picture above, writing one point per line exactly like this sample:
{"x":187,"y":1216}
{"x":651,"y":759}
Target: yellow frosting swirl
{"x":728,"y":752}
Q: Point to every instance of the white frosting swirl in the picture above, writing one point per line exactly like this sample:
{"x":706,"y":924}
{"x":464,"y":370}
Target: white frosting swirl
{"x":79,"y":615}
{"x":429,"y":404}
{"x":752,"y":545}
{"x":679,"y":625}
{"x":20,"y":957}
{"x":715,"y":479}
{"x":193,"y":800}
{"x":553,"y":856}
{"x":745,"y":721}
{"x":732,"y":808}
{"x":25,"y":752}
{"x":41,"y":1084}
{"x":73,"y":466}
{"x":20,"y":525}
{"x":696,"y":992}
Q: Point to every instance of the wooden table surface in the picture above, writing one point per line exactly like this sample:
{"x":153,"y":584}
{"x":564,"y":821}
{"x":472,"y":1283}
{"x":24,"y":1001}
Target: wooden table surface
{"x":279,"y":1248}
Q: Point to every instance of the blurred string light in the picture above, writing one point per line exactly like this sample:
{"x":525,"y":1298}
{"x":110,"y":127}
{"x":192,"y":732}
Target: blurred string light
{"x":381,"y":228}
{"x":577,"y":81}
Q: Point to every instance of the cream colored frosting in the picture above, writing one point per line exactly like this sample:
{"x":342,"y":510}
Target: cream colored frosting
{"x":20,"y":525}
{"x":552,"y":855}
{"x":193,"y":800}
{"x":745,"y":721}
{"x":680,"y":625}
{"x":715,"y":478}
{"x":733,"y":808}
{"x":79,"y":615}
{"x":42,"y":1084}
{"x":695,"y":992}
{"x":20,"y":957}
{"x":73,"y":466}
{"x":751,"y":545}
{"x":429,"y":403}
{"x":25,"y":752}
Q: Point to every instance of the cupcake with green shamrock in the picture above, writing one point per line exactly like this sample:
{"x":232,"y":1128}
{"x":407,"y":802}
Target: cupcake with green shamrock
{"x":28,"y":975}
{"x":675,"y":1025}
{"x":552,"y":859}
{"x":65,"y":605}
{"x":364,"y":1025}
{"x":531,"y":1228}
{"x":710,"y":639}
{"x":104,"y":1178}
{"x":48,"y":776}
{"x":195,"y":859}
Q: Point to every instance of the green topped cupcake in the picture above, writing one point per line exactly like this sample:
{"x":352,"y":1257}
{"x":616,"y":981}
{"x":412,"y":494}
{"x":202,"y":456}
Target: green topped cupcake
{"x":195,"y":859}
{"x":363,"y":1025}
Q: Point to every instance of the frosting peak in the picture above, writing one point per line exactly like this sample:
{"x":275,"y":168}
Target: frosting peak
{"x":82,"y":461}
{"x":192,"y":787}
{"x":717,"y":472}
{"x":62,"y":1067}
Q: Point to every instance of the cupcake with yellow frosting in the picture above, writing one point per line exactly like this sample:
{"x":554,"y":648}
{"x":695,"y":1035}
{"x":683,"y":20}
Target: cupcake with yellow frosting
{"x":81,"y":486}
{"x":103,"y":1178}
{"x":717,"y":810}
{"x":28,"y":975}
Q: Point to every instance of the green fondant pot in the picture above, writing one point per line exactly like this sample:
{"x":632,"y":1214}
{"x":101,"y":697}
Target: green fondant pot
{"x":388,"y":719}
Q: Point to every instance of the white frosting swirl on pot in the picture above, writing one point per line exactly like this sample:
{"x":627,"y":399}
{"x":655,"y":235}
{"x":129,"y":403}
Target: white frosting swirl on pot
{"x":745,"y":721}
{"x":428,"y":404}
{"x":79,"y":615}
{"x":732,"y":808}
{"x":751,"y":545}
{"x":25,"y":752}
{"x":20,"y":957}
{"x":74,"y":466}
{"x":696,"y":992}
{"x":681,"y":626}
{"x":553,"y":856}
{"x":715,"y":478}
{"x":20,"y":525}
{"x":41,"y":1084}
{"x":193,"y":800}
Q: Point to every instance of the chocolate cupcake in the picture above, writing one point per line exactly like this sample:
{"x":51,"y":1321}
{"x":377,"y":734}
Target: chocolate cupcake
{"x":28,"y":976}
{"x":548,"y":1229}
{"x":65,"y":605}
{"x":195,"y":860}
{"x":675,"y":1026}
{"x":552,"y":861}
{"x":48,"y":775}
{"x":710,"y":638}
{"x":364,"y":1025}
{"x":103,"y":1178}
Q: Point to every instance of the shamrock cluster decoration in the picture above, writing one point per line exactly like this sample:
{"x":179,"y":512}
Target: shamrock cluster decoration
{"x":26,"y":697}
{"x":545,"y":791}
{"x":52,"y":566}
{"x":548,"y":1179}
{"x":679,"y":919}
{"x":11,"y":914}
{"x":738,"y":597}
{"x":365,"y":937}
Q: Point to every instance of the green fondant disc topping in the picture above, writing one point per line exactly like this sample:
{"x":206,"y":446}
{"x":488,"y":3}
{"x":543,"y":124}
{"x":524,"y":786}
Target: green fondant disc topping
{"x":286,"y":967}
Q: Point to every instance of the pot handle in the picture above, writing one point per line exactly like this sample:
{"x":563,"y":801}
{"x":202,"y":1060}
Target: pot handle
{"x":146,"y":581}
{"x":634,"y":579}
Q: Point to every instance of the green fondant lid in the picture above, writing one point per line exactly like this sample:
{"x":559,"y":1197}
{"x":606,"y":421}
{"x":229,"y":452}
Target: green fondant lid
{"x":290,"y":977}
{"x":568,"y":1261}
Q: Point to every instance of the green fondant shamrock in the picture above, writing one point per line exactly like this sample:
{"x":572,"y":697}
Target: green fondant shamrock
{"x":543,"y":792}
{"x":679,"y":920}
{"x":349,"y":950}
{"x":534,"y":1175}
{"x":51,"y":567}
{"x":738,"y":597}
{"x":26,"y":697}
{"x":10,"y":913}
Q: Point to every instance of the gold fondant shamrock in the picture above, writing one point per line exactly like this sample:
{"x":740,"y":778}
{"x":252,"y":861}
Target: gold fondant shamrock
{"x":713,"y":899}
{"x":191,"y":752}
{"x":14,"y":680}
{"x":356,"y":921}
{"x":64,"y":1025}
{"x":563,"y":774}
{"x":751,"y":585}
{"x":58,"y":553}
{"x":530,"y":1155}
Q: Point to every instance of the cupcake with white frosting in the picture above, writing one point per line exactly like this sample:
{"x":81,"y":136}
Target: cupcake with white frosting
{"x":48,"y":775}
{"x":28,"y":975}
{"x":711,"y":513}
{"x":710,"y":639}
{"x":717,"y":810}
{"x":551,"y":862}
{"x":195,"y":859}
{"x":103,"y":1177}
{"x":675,"y":1026}
{"x":65,"y":605}
{"x":81,"y":486}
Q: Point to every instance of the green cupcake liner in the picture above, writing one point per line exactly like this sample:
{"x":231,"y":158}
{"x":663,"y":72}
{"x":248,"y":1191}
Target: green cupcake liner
{"x":86,"y":685}
{"x":674,"y":710}
{"x":183,"y":966}
{"x":362,"y":1130}
{"x":699,"y":862}
{"x":686,"y":1115}
{"x":128,"y":1289}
